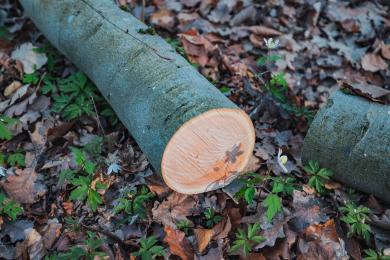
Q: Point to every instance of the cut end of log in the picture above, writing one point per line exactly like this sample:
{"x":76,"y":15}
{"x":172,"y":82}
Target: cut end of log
{"x":208,"y":151}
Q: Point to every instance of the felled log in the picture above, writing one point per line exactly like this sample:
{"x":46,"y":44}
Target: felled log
{"x":191,"y":133}
{"x":351,"y":136}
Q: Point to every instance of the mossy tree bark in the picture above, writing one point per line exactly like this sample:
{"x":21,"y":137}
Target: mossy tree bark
{"x":153,"y":90}
{"x":351,"y":136}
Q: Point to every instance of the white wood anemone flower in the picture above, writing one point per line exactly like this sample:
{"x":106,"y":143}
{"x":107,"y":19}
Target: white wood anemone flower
{"x":271,"y":43}
{"x":282,"y":160}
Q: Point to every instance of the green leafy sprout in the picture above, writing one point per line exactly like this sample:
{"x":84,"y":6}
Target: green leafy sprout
{"x":74,"y":96}
{"x":184,"y":225}
{"x":245,"y":240}
{"x":212,"y":217}
{"x":73,"y":223}
{"x":371,"y":254}
{"x":134,"y":201}
{"x":357,"y":217}
{"x":148,"y":248}
{"x":251,"y":182}
{"x":9,"y":207}
{"x":319,"y":176}
{"x":277,"y":85}
{"x":5,"y":123}
{"x":84,"y":187}
{"x":15,"y":159}
{"x":273,"y":202}
{"x":31,"y":78}
{"x":88,"y":252}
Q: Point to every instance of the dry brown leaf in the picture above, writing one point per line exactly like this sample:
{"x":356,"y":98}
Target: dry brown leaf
{"x":25,"y":121}
{"x":222,"y":229}
{"x":264,"y":31}
{"x":350,"y":25}
{"x":254,"y":256}
{"x":309,"y":190}
{"x":21,"y":107}
{"x":203,"y":236}
{"x":176,"y":207}
{"x":256,"y":40}
{"x":373,"y":62}
{"x":51,"y":232}
{"x":190,"y":3}
{"x":59,"y":130}
{"x":23,"y":186}
{"x":39,"y":136}
{"x":30,"y":59}
{"x":34,"y":244}
{"x":163,"y":19}
{"x":321,"y":241}
{"x":157,"y":186}
{"x":19,"y":93}
{"x":332,"y":185}
{"x":196,"y":47}
{"x":68,"y":207}
{"x":11,"y":88}
{"x":385,"y":50}
{"x":283,"y":247}
{"x":234,"y":216}
{"x":253,"y":165}
{"x":308,"y":210}
{"x":178,"y":243}
{"x":373,"y":92}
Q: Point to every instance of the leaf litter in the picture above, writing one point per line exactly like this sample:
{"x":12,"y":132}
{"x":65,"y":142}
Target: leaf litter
{"x":322,"y":46}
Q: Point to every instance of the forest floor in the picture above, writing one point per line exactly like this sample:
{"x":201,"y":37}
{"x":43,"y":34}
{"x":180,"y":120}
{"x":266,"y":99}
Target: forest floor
{"x":75,"y":185}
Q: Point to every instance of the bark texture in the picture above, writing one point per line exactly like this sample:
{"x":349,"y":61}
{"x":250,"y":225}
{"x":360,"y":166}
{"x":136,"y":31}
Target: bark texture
{"x":152,"y":89}
{"x":351,"y":136}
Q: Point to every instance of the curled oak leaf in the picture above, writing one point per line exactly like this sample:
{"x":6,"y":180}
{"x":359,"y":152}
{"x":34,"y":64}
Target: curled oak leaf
{"x":308,"y":210}
{"x":32,"y":247}
{"x":373,"y":62}
{"x":385,"y":51}
{"x":196,"y":47}
{"x":178,"y":243}
{"x":68,"y":207}
{"x":272,"y":233}
{"x":264,"y":31}
{"x":203,"y":236}
{"x":222,"y":229}
{"x":24,"y":186}
{"x":176,"y":207}
{"x":50,"y":232}
{"x":321,"y":241}
{"x":163,"y":19}
{"x":157,"y":186}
